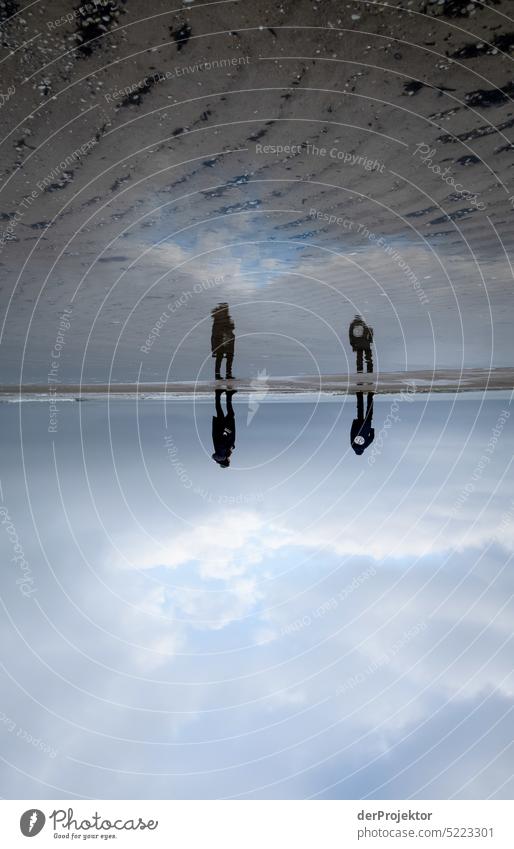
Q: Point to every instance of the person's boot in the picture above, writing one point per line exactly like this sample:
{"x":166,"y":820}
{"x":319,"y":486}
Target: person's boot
{"x":217,"y":376}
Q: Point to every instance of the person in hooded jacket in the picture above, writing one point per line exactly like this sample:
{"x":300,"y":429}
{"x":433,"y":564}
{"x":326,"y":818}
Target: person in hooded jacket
{"x":223,"y":429}
{"x":362,"y":433}
{"x":222,"y":340}
{"x":361,"y":338}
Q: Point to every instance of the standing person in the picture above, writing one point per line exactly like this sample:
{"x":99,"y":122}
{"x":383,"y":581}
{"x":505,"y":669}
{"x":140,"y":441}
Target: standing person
{"x":222,"y":340}
{"x":223,"y":429}
{"x":361,"y":433}
{"x":361,"y":338}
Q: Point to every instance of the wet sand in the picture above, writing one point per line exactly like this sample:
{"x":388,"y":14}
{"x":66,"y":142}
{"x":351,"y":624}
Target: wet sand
{"x":448,"y":380}
{"x":141,"y":186}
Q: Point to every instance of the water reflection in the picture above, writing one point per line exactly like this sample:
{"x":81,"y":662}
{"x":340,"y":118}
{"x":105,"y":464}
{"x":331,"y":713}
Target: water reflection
{"x":362,"y":433}
{"x":223,"y":429}
{"x":313,"y":624}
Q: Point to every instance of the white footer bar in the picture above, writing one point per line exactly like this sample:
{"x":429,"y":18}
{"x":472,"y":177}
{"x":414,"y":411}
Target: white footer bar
{"x":258,"y":824}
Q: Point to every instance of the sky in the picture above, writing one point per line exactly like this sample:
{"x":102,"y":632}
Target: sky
{"x":305,"y":623}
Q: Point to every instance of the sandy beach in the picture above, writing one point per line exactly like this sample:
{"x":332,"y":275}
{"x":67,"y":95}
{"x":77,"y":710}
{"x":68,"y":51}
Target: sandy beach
{"x":300,"y":164}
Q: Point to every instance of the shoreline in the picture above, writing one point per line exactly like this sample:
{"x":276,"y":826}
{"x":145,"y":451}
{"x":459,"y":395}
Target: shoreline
{"x":446,"y":380}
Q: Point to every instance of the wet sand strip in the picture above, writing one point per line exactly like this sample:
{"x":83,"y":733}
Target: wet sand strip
{"x":449,"y":380}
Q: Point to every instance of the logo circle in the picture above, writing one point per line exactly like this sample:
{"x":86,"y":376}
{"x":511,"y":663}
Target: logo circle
{"x":31,"y":822}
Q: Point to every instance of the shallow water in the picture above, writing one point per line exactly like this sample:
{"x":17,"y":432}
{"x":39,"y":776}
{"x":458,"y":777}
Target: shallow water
{"x":305,"y":622}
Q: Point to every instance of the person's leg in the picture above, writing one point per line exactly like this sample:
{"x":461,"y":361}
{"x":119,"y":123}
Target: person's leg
{"x":360,"y":406}
{"x":369,"y":359}
{"x":219,"y":360}
{"x":359,"y":359}
{"x":369,"y":407}
{"x":228,"y":395}
{"x":219,"y":408}
{"x":230,"y":421}
{"x":230,"y":360}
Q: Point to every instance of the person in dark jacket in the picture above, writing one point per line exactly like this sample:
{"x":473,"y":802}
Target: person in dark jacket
{"x":361,"y":433}
{"x":222,"y":340}
{"x":361,"y":337}
{"x":223,"y":429}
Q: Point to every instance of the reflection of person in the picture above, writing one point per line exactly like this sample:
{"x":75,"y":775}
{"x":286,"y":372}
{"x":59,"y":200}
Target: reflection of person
{"x":223,"y":429}
{"x":361,"y":337}
{"x":222,"y":339}
{"x":362,"y":434}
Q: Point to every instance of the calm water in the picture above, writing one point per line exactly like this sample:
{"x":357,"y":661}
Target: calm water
{"x":308,"y":621}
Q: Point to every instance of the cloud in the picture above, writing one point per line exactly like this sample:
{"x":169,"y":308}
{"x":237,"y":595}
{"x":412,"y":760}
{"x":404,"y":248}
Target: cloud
{"x":216,"y":544}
